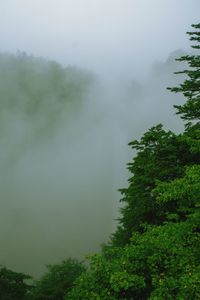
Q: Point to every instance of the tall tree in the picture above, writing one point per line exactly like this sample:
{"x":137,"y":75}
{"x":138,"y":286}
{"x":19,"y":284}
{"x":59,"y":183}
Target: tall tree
{"x":58,"y":280}
{"x":14,"y":285}
{"x":162,"y":156}
{"x":191,"y":86}
{"x":162,"y":261}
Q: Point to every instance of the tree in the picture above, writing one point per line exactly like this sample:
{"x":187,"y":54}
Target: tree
{"x":14,"y":285}
{"x":58,"y":280}
{"x":162,"y":156}
{"x":159,"y":236}
{"x":161,"y":263}
{"x":191,"y":86}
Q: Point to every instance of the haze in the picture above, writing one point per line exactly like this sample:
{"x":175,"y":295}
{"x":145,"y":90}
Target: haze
{"x":121,"y":37}
{"x":65,"y":129}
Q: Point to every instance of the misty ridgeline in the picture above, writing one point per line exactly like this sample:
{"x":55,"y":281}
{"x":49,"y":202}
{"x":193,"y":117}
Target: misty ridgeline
{"x":64,"y":135}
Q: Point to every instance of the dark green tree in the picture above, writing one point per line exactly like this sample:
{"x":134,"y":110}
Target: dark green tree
{"x":162,"y":155}
{"x":154,"y":254}
{"x":58,"y":280}
{"x":161,"y":263}
{"x":14,"y":285}
{"x":191,"y":86}
{"x":159,"y":236}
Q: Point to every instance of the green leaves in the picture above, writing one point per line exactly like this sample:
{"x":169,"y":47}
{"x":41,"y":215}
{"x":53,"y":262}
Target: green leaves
{"x":14,"y":285}
{"x":58,"y":280}
{"x":124,"y":281}
{"x":185,"y":190}
{"x":191,"y":86}
{"x":161,"y":156}
{"x":154,"y":254}
{"x":161,"y":263}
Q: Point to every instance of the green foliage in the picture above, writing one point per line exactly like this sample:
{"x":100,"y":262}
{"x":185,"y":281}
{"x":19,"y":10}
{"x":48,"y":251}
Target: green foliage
{"x":161,"y":155}
{"x":192,"y":138}
{"x":159,"y":233}
{"x":191,"y":86}
{"x":40,"y":92}
{"x":161,"y":263}
{"x":36,"y":97}
{"x":154,"y":253}
{"x":39,"y":86}
{"x":185,"y":190}
{"x":58,"y":280}
{"x":13,"y":285}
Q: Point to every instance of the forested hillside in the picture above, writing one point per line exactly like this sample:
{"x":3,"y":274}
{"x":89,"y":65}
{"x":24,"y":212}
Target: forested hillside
{"x":36,"y":95}
{"x":154,"y":254}
{"x":155,"y":251}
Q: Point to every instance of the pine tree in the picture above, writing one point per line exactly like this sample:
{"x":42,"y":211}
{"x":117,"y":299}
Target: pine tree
{"x":161,"y":261}
{"x":162,"y":156}
{"x":191,"y":86}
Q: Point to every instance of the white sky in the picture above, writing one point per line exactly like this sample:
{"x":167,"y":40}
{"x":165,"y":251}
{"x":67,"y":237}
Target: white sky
{"x":109,"y":36}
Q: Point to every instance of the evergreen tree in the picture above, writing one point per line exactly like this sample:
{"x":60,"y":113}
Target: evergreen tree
{"x":159,"y":236}
{"x":162,"y":156}
{"x":191,"y":86}
{"x":58,"y":280}
{"x":14,"y":285}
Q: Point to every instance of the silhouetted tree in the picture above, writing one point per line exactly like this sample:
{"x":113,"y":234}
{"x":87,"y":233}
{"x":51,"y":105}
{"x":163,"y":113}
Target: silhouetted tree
{"x":14,"y":285}
{"x":58,"y":280}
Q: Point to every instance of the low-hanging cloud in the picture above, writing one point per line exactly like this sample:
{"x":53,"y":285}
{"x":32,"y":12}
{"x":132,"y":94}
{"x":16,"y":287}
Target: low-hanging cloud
{"x":64,"y":135}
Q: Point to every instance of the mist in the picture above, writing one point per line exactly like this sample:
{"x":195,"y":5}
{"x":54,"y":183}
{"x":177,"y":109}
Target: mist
{"x":64,"y":136}
{"x":77,"y":84}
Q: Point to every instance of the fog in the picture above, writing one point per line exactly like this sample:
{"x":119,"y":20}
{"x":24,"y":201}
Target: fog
{"x":88,"y":85}
{"x":113,"y":37}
